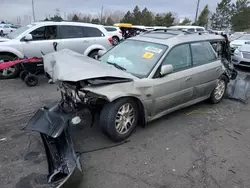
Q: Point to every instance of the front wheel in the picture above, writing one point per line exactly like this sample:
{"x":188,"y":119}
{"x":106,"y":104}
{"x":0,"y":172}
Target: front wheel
{"x":10,"y":72}
{"x":118,"y":119}
{"x":220,"y":90}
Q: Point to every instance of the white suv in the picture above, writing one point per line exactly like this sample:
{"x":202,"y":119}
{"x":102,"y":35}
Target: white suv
{"x":115,"y":33}
{"x":30,"y":40}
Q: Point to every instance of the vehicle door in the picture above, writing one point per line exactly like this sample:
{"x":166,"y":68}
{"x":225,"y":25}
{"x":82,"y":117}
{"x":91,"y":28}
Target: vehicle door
{"x":207,"y":68}
{"x":72,"y":37}
{"x":176,"y":88}
{"x":42,"y":41}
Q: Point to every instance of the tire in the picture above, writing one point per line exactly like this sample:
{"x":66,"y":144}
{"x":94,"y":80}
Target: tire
{"x":116,"y":40}
{"x":93,"y":54}
{"x":15,"y":69}
{"x":23,"y":74}
{"x":215,"y":97}
{"x":31,"y":80}
{"x":108,"y":117}
{"x":1,"y":33}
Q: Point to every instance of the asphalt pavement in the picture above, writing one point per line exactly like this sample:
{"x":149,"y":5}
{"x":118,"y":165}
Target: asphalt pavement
{"x":202,"y":146}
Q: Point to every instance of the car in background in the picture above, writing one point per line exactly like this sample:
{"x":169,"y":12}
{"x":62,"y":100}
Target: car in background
{"x":236,"y":35}
{"x":241,"y":56}
{"x":31,"y":40}
{"x":193,"y":29}
{"x":240,"y":41}
{"x":5,"y":29}
{"x":115,"y":33}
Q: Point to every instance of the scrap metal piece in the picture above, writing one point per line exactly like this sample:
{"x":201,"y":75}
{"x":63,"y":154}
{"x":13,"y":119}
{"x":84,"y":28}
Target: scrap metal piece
{"x":64,"y":165}
{"x":238,"y":89}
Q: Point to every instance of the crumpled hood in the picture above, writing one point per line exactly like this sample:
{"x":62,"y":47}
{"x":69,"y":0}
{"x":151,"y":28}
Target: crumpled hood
{"x":3,"y":39}
{"x":67,"y":65}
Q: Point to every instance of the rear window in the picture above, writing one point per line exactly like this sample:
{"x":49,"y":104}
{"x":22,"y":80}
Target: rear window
{"x":191,"y":30}
{"x":110,"y":29}
{"x":68,"y":31}
{"x":92,"y":32}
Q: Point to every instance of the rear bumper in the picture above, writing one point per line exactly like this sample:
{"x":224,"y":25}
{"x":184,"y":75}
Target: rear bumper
{"x":64,"y":168}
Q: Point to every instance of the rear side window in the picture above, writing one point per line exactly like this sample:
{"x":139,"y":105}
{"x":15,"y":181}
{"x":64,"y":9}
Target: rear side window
{"x":110,"y":29}
{"x":92,"y":32}
{"x":179,"y":57}
{"x":191,"y":30}
{"x":199,"y":29}
{"x":67,"y":31}
{"x":202,"y":53}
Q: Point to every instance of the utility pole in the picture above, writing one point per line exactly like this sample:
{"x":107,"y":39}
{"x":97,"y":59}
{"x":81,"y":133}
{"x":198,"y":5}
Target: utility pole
{"x":197,"y":10}
{"x":101,"y":14}
{"x":33,"y":10}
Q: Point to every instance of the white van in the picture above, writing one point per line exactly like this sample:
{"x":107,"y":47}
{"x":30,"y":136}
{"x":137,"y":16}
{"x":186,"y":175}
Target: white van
{"x":189,"y":28}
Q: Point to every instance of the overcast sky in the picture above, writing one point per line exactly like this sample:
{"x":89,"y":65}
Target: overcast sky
{"x":11,"y":9}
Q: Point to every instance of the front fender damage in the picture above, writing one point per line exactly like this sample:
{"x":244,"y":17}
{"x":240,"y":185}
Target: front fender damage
{"x":64,"y":167}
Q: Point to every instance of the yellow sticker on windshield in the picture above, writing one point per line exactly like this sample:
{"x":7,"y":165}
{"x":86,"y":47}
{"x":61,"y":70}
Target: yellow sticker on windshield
{"x":147,"y":55}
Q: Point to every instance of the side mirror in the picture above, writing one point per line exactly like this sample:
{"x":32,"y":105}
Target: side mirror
{"x":28,"y":37}
{"x":166,"y":69}
{"x":101,"y":52}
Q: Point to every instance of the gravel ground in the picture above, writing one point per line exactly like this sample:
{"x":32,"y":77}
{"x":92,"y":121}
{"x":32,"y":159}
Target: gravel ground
{"x":203,"y":146}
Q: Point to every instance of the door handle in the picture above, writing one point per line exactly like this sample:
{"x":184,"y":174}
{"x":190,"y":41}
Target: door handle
{"x":217,"y":69}
{"x":188,"y":78}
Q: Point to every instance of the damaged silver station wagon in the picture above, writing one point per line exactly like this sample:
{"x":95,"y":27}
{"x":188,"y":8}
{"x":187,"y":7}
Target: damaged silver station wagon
{"x":135,"y":82}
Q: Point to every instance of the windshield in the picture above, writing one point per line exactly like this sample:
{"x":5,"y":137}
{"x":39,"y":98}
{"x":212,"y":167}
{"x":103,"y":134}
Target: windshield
{"x":137,"y":57}
{"x":19,"y":31}
{"x":244,"y":37}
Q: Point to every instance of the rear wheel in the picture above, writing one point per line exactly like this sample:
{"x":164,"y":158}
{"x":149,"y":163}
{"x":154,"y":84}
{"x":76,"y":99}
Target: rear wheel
{"x":220,"y":90}
{"x":118,"y":119}
{"x":115,"y":40}
{"x":10,"y":72}
{"x":93,"y":54}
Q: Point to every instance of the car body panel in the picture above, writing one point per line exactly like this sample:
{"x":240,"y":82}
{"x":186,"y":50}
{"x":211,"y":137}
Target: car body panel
{"x":14,"y":51}
{"x":64,"y":165}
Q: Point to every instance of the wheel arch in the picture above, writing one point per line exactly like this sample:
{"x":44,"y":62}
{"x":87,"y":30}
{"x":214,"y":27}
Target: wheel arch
{"x":9,"y":50}
{"x":92,"y":48}
{"x":142,"y":109}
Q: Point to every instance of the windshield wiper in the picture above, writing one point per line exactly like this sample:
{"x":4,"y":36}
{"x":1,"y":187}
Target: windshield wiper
{"x":117,"y":66}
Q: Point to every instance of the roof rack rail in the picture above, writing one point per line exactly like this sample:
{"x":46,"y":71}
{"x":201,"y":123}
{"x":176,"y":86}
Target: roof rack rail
{"x":166,"y":30}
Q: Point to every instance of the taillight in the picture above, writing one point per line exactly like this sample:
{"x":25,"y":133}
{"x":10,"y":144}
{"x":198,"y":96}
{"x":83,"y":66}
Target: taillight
{"x":110,"y":40}
{"x":120,"y":32}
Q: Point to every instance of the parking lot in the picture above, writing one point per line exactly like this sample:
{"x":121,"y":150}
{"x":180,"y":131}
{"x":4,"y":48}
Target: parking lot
{"x":203,"y":146}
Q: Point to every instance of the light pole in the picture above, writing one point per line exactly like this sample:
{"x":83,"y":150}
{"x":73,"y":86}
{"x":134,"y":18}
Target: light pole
{"x":197,"y":10}
{"x":33,"y":10}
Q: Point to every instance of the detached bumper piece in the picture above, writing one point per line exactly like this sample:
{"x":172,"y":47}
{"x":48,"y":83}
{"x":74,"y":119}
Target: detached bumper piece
{"x":63,"y":162}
